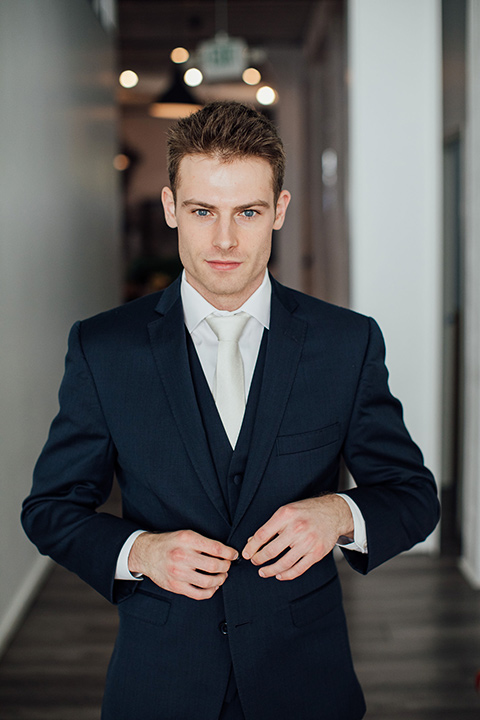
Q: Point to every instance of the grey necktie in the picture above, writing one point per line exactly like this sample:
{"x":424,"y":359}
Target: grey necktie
{"x":229,"y":383}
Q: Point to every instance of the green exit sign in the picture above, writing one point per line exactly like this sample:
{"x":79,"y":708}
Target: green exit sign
{"x":223,"y":58}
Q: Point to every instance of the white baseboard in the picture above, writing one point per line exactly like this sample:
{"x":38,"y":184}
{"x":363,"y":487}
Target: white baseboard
{"x":469,"y":572}
{"x":22,"y":599}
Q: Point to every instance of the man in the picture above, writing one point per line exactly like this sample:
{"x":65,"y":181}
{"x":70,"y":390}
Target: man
{"x":222,"y":565}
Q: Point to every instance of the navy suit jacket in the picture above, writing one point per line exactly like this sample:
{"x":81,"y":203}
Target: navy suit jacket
{"x":128,"y":407}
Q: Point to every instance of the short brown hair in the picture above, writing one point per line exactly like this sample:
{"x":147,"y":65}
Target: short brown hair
{"x":229,"y":131}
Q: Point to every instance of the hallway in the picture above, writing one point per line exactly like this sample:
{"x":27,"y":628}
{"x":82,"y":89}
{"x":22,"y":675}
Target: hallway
{"x":379,"y":106}
{"x":414,"y":625}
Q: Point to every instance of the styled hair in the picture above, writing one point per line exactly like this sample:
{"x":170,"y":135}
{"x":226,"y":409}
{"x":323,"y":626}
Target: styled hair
{"x":227,"y":131}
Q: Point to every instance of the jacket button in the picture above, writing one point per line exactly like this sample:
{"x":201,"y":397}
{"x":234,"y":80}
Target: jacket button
{"x":237,"y":479}
{"x":223,"y":627}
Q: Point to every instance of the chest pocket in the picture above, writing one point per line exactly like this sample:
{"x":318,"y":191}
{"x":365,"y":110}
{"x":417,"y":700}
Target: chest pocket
{"x":302,"y":442}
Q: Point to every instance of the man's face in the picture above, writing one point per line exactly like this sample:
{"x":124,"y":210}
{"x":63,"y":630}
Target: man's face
{"x":225,"y":215}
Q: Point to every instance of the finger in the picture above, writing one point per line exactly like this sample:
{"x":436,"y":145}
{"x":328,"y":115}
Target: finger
{"x":193,"y":589}
{"x":213,"y":565}
{"x":263,"y":535}
{"x":298,"y":569}
{"x":271,"y":550}
{"x":283,"y":564}
{"x":197,"y":593}
{"x":208,"y":581}
{"x":182,"y":577}
{"x":187,"y":572}
{"x":214,"y":548}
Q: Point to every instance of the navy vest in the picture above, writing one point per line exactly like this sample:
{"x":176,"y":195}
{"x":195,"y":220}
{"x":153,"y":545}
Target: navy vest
{"x":229,"y":464}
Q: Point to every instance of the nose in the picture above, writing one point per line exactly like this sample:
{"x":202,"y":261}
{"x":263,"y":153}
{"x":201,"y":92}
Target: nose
{"x":225,"y":237}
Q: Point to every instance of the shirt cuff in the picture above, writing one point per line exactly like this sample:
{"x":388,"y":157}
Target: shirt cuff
{"x":122,"y":572}
{"x":359,"y":543}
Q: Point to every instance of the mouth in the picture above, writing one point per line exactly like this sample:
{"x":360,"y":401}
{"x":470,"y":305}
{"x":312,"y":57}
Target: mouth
{"x":224,"y":265}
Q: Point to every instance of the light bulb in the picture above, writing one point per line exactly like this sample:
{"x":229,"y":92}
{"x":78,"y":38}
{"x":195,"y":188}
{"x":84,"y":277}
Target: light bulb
{"x":128,"y":79}
{"x":251,"y":76}
{"x":193,"y":77}
{"x":266,"y":95}
{"x":179,"y":55}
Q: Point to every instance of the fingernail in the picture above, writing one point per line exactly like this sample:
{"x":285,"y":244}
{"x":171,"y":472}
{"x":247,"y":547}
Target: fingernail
{"x":261,"y":573}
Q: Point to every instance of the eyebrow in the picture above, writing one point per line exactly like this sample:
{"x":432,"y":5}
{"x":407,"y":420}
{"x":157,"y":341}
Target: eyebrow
{"x":239,"y":208}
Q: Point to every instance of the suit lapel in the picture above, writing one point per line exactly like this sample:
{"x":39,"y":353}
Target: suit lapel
{"x":169,"y":347}
{"x":286,"y":337}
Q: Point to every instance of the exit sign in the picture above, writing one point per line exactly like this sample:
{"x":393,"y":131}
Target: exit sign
{"x":223,"y":58}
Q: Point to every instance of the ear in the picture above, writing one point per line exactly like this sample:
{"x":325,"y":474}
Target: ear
{"x":281,"y":209}
{"x":168,"y":203}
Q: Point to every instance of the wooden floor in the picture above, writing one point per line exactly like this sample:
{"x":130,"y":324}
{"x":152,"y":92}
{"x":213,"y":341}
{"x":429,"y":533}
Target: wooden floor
{"x":414,"y":625}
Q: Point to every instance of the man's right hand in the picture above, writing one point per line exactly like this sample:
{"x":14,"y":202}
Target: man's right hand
{"x":183,"y":562}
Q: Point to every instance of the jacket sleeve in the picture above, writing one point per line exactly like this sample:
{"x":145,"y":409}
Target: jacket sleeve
{"x":395,"y":492}
{"x":72,"y":479}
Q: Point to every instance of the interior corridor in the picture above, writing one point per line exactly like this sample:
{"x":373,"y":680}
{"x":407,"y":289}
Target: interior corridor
{"x":414,"y":626}
{"x":379,"y":108}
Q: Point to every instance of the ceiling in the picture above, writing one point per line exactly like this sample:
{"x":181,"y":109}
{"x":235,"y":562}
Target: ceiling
{"x":150,"y":29}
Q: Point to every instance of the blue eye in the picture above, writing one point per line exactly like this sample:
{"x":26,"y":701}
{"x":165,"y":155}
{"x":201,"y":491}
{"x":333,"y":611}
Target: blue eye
{"x":249,"y":213}
{"x":201,"y":212}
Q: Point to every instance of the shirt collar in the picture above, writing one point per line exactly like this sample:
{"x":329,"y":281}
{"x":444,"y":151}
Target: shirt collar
{"x":196,"y":308}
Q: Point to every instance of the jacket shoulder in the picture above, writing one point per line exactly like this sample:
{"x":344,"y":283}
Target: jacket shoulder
{"x":328,"y":316}
{"x":131,"y":318}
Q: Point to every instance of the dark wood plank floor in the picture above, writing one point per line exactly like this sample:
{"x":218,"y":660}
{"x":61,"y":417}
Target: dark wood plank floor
{"x":414,"y":625}
{"x":415,"y":632}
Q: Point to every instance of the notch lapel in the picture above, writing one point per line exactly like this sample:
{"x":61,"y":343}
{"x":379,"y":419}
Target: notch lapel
{"x":286,"y":337}
{"x":169,"y":347}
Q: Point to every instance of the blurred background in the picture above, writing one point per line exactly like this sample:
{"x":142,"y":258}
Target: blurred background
{"x":378,"y":104}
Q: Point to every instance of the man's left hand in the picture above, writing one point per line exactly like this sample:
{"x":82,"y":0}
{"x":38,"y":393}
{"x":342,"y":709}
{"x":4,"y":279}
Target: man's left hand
{"x":305,"y":531}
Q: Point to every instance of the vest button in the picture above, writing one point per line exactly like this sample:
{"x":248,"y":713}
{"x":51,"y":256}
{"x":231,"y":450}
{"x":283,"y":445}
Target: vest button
{"x":223,"y":627}
{"x":237,"y":479}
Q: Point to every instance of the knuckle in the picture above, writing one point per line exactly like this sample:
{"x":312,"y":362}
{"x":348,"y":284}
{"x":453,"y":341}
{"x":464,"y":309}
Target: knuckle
{"x":184,"y":537}
{"x":287,"y":511}
{"x":177,"y":555}
{"x":200,"y":581}
{"x":300,"y":526}
{"x":205,"y":593}
{"x":216,"y":549}
{"x":269,"y":552}
{"x":218,"y":566}
{"x":210,"y":565}
{"x":261,"y":534}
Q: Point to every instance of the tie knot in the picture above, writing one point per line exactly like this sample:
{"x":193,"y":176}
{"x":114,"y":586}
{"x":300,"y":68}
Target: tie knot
{"x":228,"y":328}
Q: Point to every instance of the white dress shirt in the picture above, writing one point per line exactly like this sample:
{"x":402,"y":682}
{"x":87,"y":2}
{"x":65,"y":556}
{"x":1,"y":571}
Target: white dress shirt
{"x":196,"y":309}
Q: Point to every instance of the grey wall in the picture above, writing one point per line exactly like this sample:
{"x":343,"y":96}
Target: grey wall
{"x":470,"y":562}
{"x":59,"y":247}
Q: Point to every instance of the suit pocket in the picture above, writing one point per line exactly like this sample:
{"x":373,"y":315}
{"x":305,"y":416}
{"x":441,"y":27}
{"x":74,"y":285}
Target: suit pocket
{"x":302,"y":442}
{"x":317,"y":604}
{"x":145,"y":606}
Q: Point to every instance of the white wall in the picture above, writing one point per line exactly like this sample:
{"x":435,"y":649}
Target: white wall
{"x":59,"y":258}
{"x":395,"y":196}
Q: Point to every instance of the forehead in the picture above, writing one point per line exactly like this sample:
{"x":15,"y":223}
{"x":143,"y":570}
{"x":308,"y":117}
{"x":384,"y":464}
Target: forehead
{"x":202,"y":172}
